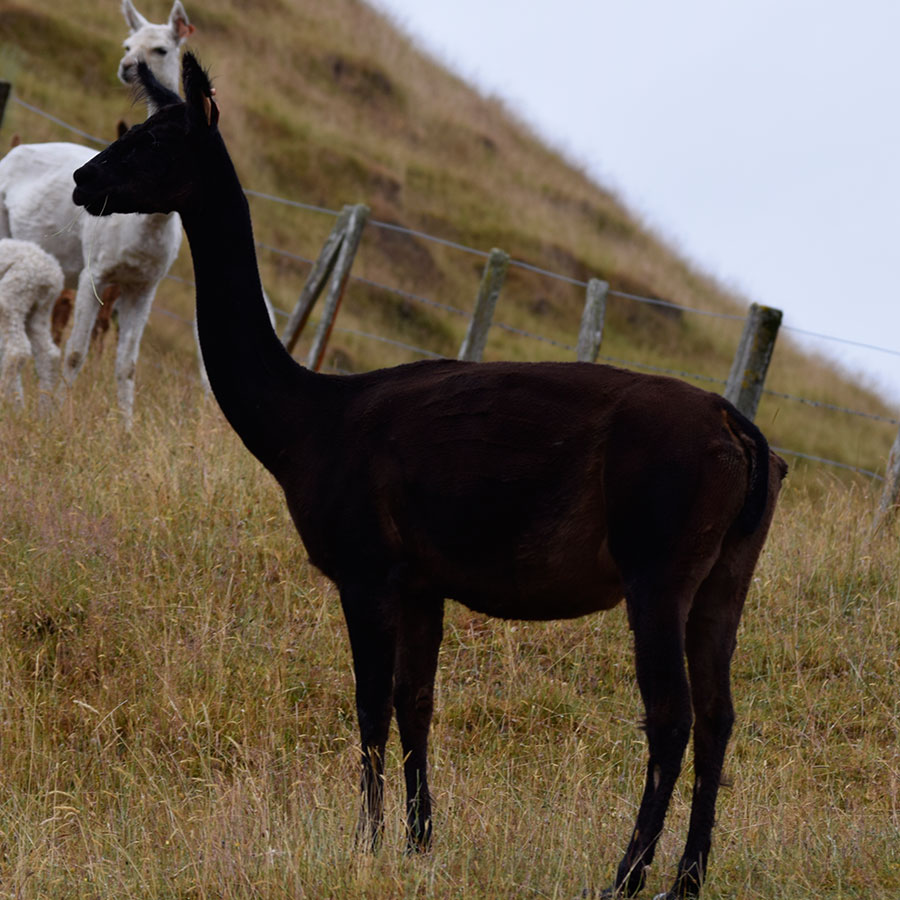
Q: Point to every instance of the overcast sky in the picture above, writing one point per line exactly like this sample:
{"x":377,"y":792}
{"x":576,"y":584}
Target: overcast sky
{"x":761,"y":138}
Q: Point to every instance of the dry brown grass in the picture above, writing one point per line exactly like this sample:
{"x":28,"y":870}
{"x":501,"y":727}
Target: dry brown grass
{"x":178,"y":717}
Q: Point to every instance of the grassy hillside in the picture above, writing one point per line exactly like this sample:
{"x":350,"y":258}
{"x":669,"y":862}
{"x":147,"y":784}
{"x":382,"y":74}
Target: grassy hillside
{"x":176,"y":698}
{"x":326,"y":103}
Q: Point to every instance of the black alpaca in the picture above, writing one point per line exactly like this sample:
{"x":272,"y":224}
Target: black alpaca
{"x":523,"y":490}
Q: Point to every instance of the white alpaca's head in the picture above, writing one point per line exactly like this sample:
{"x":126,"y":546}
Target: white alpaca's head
{"x":156,"y":45}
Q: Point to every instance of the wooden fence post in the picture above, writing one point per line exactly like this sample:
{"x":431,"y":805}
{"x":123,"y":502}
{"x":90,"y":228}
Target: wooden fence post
{"x":473,"y":344}
{"x":890,"y":494}
{"x":315,"y":281}
{"x":359,"y":214}
{"x":334,"y":261}
{"x":590,"y":334}
{"x":5,"y":89}
{"x":751,"y":362}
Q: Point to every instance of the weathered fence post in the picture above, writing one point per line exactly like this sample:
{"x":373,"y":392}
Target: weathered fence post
{"x":5,"y":88}
{"x":473,"y":344}
{"x":751,"y":362}
{"x":890,"y":494}
{"x":590,"y":335}
{"x":359,"y":214}
{"x":315,"y":281}
{"x":334,"y":261}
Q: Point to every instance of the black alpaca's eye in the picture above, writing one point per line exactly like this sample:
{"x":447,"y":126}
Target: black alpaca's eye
{"x":161,"y":51}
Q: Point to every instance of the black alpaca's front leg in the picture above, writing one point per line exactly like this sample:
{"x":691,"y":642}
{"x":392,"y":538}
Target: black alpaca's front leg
{"x":372,"y":641}
{"x":419,"y":633}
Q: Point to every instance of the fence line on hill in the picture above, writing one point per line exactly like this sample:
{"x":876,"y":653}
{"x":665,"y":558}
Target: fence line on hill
{"x":462,"y":247}
{"x":572,"y":348}
{"x":613,"y":360}
{"x":525,"y":266}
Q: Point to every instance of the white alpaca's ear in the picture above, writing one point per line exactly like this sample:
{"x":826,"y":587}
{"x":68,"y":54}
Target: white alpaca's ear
{"x":178,"y":22}
{"x":134,"y":19}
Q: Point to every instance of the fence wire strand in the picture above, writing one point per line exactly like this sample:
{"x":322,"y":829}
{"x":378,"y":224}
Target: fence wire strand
{"x":819,"y":404}
{"x":436,"y":304}
{"x":309,"y":207}
{"x":830,"y":462}
{"x":54,"y":119}
{"x":839,"y":340}
{"x":391,"y":341}
{"x":402,"y":229}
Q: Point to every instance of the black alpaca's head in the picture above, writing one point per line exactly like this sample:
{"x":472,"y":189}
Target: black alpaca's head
{"x":154,"y":166}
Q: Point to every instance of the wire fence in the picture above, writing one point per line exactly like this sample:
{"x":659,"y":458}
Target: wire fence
{"x":524,"y":333}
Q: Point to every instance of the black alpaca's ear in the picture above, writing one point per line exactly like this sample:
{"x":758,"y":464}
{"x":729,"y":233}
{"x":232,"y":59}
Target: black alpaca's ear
{"x":150,"y":89}
{"x":198,"y":92}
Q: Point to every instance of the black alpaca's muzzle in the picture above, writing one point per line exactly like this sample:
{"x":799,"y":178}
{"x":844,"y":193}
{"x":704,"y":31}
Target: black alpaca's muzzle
{"x":87,"y":193}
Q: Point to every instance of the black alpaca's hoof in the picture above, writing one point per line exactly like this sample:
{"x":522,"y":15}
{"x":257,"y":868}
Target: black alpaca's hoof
{"x":611,"y":893}
{"x":417,"y":848}
{"x":367,"y":839}
{"x":630,"y":883}
{"x":418,"y":841}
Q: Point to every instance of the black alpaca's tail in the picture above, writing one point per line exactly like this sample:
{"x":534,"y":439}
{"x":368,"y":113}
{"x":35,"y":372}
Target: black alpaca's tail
{"x":756,"y":448}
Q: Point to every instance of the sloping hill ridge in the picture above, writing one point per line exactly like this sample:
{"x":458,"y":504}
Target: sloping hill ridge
{"x":328,"y":104}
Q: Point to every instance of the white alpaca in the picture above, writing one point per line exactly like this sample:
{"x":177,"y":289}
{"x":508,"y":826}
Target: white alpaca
{"x":30,"y":282}
{"x":133,"y":252}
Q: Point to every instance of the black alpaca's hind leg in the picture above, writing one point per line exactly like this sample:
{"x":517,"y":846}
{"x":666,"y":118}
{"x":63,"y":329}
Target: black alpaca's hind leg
{"x":658,"y":640}
{"x":709,"y":644}
{"x":372,"y":641}
{"x":420,"y":629}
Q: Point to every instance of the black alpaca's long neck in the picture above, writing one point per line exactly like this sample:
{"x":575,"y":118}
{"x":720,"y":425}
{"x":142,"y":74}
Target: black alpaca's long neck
{"x":260,"y":388}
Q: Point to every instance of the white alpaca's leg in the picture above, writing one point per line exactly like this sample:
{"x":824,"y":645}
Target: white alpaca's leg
{"x":86,"y":308}
{"x":133,"y":312}
{"x":46,"y":353}
{"x":204,"y":378}
{"x":16,"y":351}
